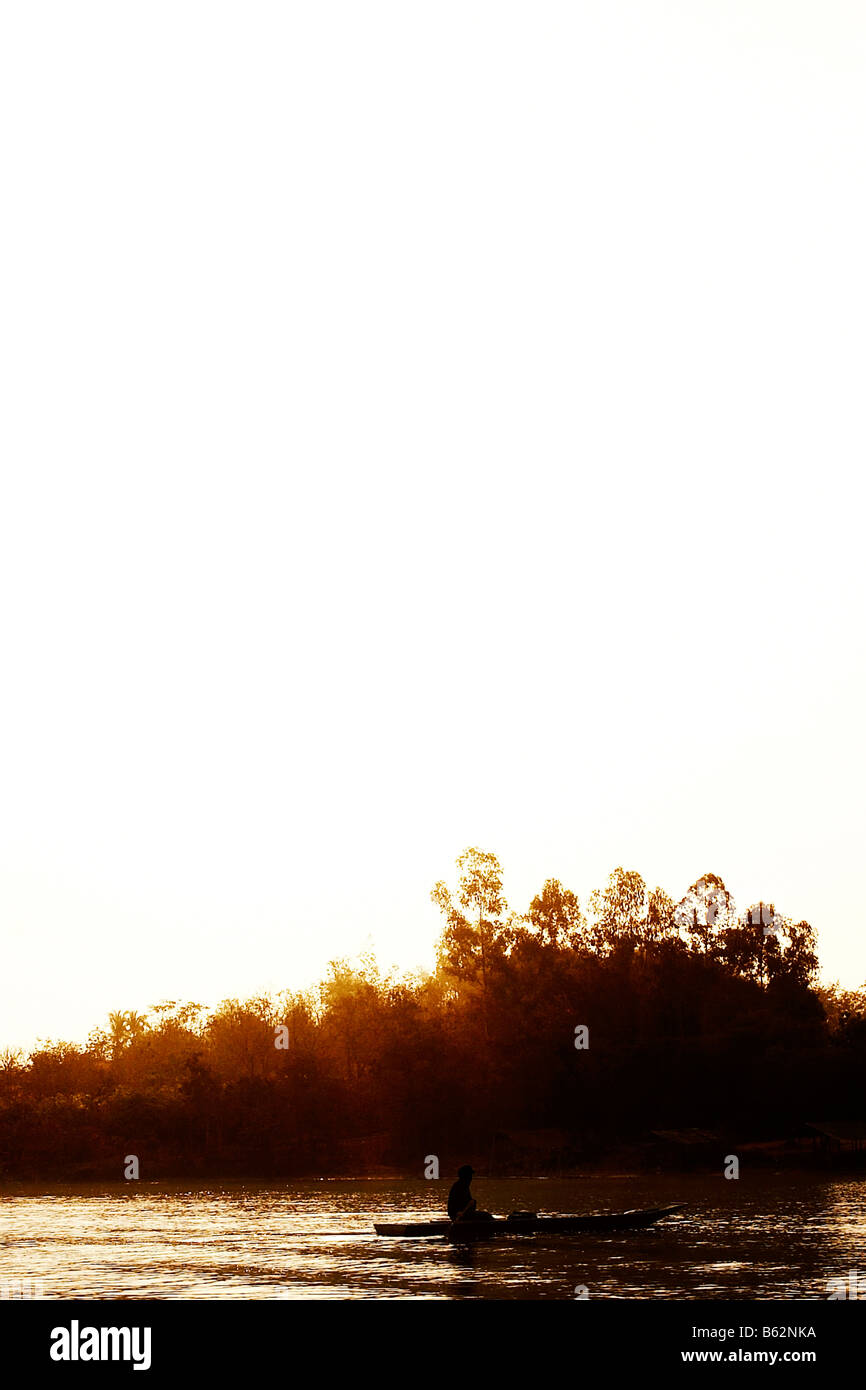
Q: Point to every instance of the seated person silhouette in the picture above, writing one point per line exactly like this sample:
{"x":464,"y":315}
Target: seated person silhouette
{"x":461,"y":1204}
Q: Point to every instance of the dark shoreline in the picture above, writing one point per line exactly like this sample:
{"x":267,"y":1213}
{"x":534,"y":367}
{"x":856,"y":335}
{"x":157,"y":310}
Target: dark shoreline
{"x":765,"y":1162}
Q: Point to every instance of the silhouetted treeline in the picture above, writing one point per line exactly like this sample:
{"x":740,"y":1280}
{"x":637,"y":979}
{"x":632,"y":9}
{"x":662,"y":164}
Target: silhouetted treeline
{"x":694,"y":1016}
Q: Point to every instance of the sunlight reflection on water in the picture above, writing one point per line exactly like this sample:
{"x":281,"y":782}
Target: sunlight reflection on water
{"x":770,"y":1238}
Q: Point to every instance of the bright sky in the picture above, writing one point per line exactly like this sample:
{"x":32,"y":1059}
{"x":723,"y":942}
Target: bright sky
{"x":424,"y":425}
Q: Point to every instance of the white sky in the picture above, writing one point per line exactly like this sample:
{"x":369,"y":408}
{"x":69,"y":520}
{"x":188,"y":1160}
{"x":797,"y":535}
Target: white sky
{"x":424,"y":425}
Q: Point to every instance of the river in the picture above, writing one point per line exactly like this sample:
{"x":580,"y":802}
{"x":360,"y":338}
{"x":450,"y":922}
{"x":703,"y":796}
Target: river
{"x":770,"y":1236}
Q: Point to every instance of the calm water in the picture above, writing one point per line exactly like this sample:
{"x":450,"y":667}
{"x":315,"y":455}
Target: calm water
{"x":771,"y":1237}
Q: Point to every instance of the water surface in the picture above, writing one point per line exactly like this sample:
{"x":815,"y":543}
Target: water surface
{"x":771,"y":1237}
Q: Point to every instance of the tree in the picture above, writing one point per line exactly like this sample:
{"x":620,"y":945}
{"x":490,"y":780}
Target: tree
{"x":619,"y":911}
{"x":123,"y":1026}
{"x":555,"y":917}
{"x":476,"y":934}
{"x":842,"y":1006}
{"x":661,"y":922}
{"x":706,"y":911}
{"x":775,"y":948}
{"x":11,"y":1059}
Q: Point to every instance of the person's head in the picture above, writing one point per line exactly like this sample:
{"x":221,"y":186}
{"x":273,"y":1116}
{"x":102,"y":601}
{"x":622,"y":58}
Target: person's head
{"x":465,"y":1173}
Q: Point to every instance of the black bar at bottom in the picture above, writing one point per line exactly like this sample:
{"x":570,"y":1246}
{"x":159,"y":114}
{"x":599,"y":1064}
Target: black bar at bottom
{"x":166,"y":1339}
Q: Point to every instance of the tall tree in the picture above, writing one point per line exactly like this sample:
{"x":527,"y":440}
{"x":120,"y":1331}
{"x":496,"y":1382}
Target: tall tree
{"x":661,"y":922}
{"x":619,"y":911}
{"x":555,"y":917}
{"x":476,"y":932}
{"x":706,"y":912}
{"x":765,"y":946}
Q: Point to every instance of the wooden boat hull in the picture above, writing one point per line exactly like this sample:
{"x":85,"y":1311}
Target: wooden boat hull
{"x":528,"y":1226}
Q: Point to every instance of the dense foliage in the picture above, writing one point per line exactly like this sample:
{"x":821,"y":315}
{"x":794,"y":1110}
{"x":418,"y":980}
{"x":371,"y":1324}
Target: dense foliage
{"x":696,"y":1016}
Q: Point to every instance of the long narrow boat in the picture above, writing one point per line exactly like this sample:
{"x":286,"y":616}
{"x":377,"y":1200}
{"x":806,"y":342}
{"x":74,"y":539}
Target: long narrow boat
{"x":528,"y":1224}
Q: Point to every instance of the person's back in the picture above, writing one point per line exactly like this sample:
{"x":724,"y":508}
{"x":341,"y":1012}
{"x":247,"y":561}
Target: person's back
{"x":460,"y":1199}
{"x":461,"y":1204}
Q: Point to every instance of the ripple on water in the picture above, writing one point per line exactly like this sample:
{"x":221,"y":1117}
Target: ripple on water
{"x":315,"y":1240}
